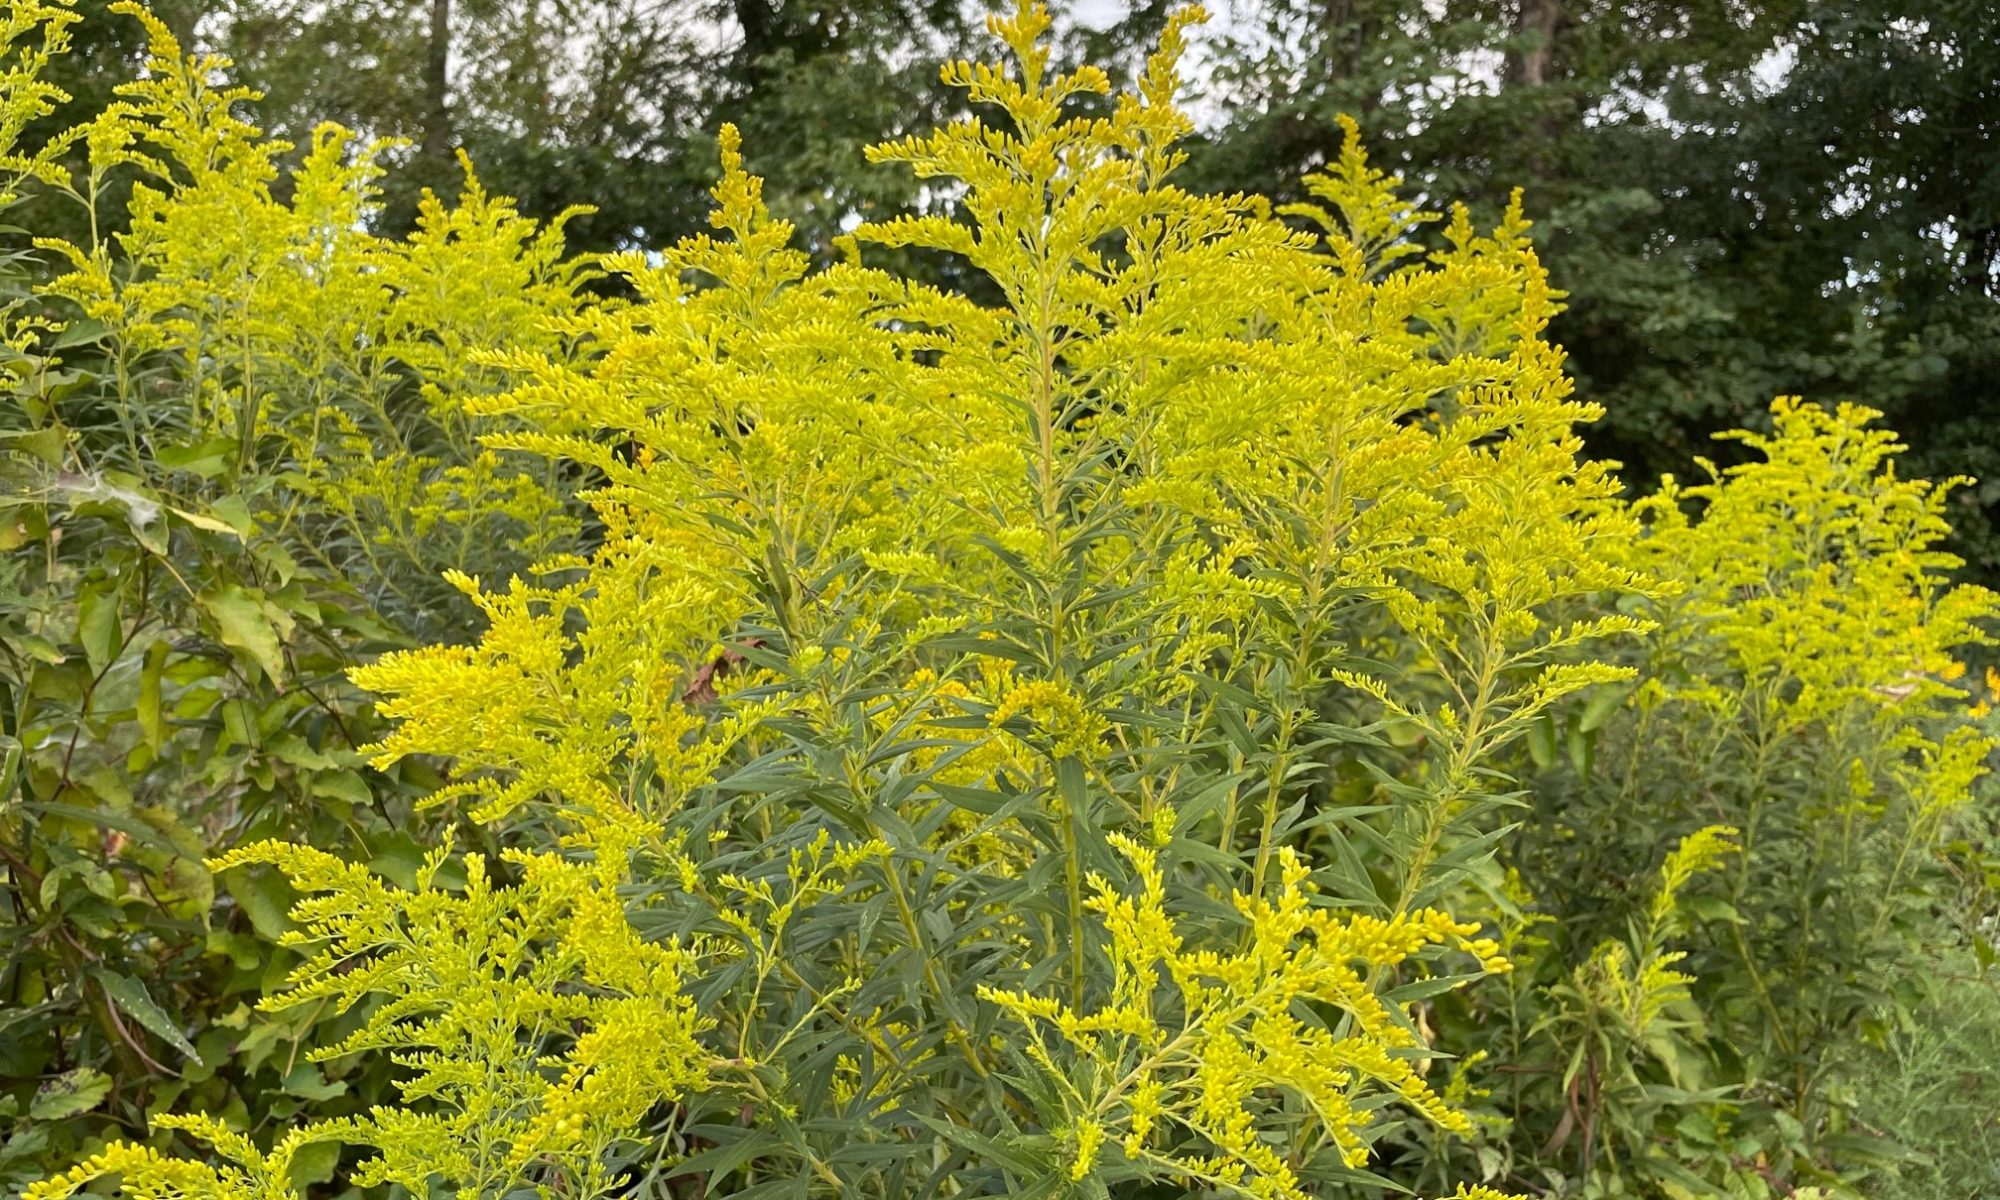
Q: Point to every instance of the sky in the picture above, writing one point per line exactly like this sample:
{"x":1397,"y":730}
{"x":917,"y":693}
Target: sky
{"x":1096,"y":14}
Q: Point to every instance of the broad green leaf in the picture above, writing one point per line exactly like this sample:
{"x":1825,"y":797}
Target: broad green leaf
{"x":233,"y":512}
{"x":1605,"y":699}
{"x":1541,"y":741}
{"x":308,"y":1081}
{"x":46,"y":445}
{"x":342,"y":785}
{"x":314,"y":1163}
{"x":207,"y":459}
{"x":263,"y":896}
{"x":244,"y":624}
{"x":73,"y":1092}
{"x":98,"y":628}
{"x":79,"y":333}
{"x":40,"y":648}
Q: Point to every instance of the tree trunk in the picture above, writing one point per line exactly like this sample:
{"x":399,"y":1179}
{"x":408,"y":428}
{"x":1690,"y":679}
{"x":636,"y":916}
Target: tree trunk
{"x":763,"y":35}
{"x":1535,"y":24}
{"x":435,"y":147}
{"x":1530,"y":68}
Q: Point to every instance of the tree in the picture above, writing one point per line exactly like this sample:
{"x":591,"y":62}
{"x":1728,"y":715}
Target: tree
{"x":616,"y":101}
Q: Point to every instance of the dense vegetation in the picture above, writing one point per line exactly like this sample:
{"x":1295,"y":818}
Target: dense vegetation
{"x":1109,"y":688}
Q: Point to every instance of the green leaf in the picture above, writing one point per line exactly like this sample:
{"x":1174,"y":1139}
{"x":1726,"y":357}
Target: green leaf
{"x":346,"y":786}
{"x":125,"y":823}
{"x":1604,"y":701}
{"x":95,"y":881}
{"x":40,"y":649}
{"x":232,"y":511}
{"x":131,"y":996}
{"x":264,"y":897}
{"x":306,"y":1080}
{"x":1582,"y":750}
{"x":1424,"y":989}
{"x":97,"y":625}
{"x":314,"y":1163}
{"x":46,"y":445}
{"x":243,"y":625}
{"x":70,"y":1093}
{"x":1542,"y":741}
{"x":79,"y":333}
{"x":718,"y":1162}
{"x":151,"y":720}
{"x":207,"y":459}
{"x":1711,"y":908}
{"x":190,"y":880}
{"x":1007,"y":1153}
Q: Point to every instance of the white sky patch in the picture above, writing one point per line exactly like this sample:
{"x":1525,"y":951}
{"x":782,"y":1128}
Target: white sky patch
{"x":1093,"y":14}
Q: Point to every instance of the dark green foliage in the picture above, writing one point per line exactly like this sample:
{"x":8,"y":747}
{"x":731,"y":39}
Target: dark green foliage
{"x":614,"y":100}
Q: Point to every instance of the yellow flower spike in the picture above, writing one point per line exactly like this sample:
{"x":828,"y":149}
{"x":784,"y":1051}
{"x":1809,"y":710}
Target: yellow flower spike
{"x":1236,"y":1031}
{"x":1089,"y":1137}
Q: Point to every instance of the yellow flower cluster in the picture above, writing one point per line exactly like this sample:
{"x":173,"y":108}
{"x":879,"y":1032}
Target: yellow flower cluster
{"x":301,"y":340}
{"x":1817,"y":567}
{"x":537,"y":1028}
{"x":1183,"y":1054}
{"x":245,"y":1173}
{"x":1633,"y":986}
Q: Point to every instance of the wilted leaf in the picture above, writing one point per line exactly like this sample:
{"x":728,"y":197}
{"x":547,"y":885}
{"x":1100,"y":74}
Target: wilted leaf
{"x":204,"y":522}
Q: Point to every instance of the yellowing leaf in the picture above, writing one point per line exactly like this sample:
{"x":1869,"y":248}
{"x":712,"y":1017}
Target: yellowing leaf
{"x":201,"y":522}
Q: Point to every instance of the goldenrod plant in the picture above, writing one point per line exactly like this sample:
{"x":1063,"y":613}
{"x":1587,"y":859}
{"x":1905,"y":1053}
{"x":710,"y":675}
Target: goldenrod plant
{"x":231,"y":463}
{"x":1089,"y":741}
{"x":1806,"y":685}
{"x":301,"y":345}
{"x":1628,"y":1001}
